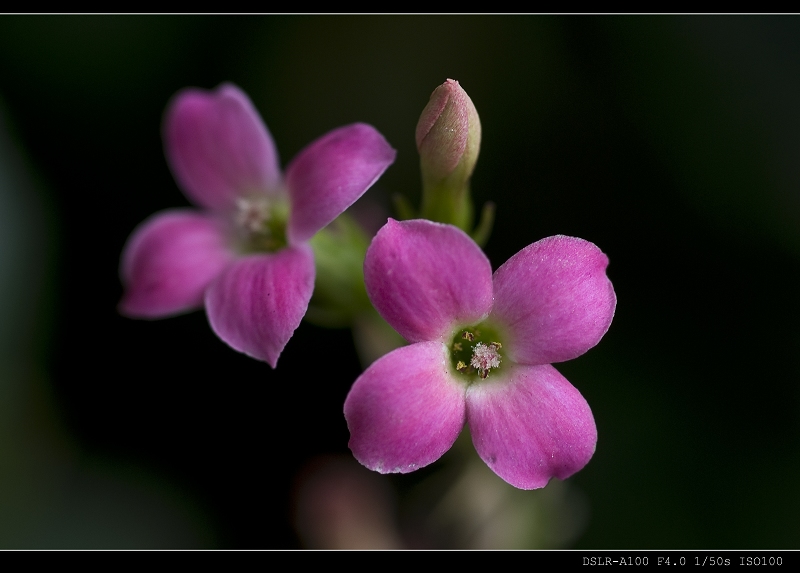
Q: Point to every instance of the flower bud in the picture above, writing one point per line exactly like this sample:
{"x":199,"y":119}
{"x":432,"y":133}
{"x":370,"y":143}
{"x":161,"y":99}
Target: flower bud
{"x":448,"y":139}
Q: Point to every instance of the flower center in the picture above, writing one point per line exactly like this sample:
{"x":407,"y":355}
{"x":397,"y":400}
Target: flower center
{"x":475,"y":351}
{"x":260,"y":224}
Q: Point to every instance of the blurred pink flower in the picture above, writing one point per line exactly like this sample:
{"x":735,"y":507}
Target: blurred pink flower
{"x":245,"y":254}
{"x":480,"y":353}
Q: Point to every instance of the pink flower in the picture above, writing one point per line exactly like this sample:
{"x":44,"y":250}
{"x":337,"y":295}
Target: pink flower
{"x":480,"y":353}
{"x":245,"y":254}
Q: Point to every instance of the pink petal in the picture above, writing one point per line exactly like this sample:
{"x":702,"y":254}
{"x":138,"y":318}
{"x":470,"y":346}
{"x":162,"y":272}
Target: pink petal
{"x":554,"y":299}
{"x":258,"y":301}
{"x":168,"y":262}
{"x":425,"y":278}
{"x":530,"y":425}
{"x":405,"y":410}
{"x":331,"y":173}
{"x":218,"y":147}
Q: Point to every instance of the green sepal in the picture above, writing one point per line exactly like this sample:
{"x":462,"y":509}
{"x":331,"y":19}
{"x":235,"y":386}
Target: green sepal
{"x":339,"y":291}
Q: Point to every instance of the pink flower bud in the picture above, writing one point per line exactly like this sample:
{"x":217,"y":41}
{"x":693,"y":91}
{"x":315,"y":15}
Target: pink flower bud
{"x":448,"y":135}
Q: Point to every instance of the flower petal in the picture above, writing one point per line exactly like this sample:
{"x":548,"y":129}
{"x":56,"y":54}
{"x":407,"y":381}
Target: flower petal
{"x":425,"y":277}
{"x":218,"y":147}
{"x":168,"y":262}
{"x":554,"y":299}
{"x":331,"y":173}
{"x":405,"y":410}
{"x":258,"y":302}
{"x":531,"y":425}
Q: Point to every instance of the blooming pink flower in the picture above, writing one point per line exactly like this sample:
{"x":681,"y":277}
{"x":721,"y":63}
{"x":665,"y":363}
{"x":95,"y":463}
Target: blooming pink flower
{"x":245,"y":255}
{"x":480,"y":353}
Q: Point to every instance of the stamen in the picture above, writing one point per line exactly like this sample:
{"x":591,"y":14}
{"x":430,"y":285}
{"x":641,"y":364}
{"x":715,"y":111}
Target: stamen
{"x":474,"y":352}
{"x":484,"y":358}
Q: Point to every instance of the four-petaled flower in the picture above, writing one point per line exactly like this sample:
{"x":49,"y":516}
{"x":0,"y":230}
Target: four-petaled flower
{"x":246,"y":255}
{"x":481,"y":352}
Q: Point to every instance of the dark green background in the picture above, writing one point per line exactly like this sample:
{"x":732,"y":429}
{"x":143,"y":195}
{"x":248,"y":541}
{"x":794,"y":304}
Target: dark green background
{"x":673,"y":143}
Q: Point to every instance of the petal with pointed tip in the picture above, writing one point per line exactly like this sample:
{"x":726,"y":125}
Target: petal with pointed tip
{"x":258,"y":301}
{"x":218,"y":147}
{"x":554,"y":300}
{"x":531,"y":425}
{"x":425,"y":277}
{"x":168,"y":262}
{"x":331,"y":173}
{"x":405,"y":410}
